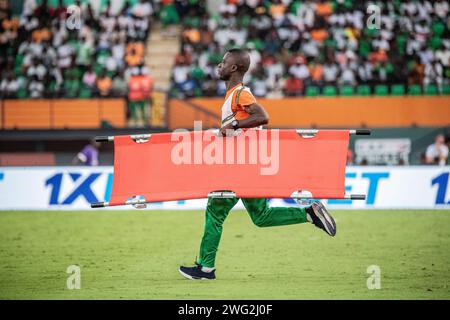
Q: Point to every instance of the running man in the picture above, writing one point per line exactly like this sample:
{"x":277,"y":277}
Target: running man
{"x":240,"y":110}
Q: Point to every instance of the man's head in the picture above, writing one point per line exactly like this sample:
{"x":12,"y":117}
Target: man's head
{"x":440,"y":139}
{"x":95,"y":143}
{"x":234,"y":61}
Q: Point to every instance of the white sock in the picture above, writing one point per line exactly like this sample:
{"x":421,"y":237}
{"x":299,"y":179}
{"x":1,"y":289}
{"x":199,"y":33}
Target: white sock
{"x":208,"y":270}
{"x":308,"y":217}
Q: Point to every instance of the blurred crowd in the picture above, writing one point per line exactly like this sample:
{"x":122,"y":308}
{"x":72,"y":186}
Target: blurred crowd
{"x":54,"y":51}
{"x":295,"y":44}
{"x":437,"y":152}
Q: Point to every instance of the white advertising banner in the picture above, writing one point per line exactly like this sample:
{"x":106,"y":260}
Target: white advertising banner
{"x":74,"y":188}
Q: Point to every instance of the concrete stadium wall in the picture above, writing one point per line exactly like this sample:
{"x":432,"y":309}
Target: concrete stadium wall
{"x":62,"y":113}
{"x":324,"y":112}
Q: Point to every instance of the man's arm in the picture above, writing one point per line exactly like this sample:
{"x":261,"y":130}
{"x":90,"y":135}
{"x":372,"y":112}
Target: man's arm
{"x":429,"y":158}
{"x":443,"y":155}
{"x":80,"y":157}
{"x":258,"y":116}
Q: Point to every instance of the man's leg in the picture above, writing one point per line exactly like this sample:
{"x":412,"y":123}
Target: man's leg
{"x":143,"y":120}
{"x":133,"y":113}
{"x":264,"y":216}
{"x":216,"y":212}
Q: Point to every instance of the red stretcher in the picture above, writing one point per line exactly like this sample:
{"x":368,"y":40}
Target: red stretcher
{"x":299,"y":164}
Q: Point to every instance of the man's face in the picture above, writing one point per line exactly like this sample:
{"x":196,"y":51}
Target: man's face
{"x":226,"y":67}
{"x":440,"y":139}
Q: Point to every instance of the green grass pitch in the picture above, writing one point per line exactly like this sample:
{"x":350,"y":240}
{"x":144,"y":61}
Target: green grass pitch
{"x":135,"y":255}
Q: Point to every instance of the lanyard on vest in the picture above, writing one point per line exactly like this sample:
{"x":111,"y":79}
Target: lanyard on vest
{"x":236,"y":101}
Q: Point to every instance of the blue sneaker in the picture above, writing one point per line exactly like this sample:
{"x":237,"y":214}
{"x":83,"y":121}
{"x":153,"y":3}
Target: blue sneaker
{"x":322,"y":219}
{"x":196,"y":273}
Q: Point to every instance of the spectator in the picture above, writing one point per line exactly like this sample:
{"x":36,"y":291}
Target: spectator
{"x":140,"y":86}
{"x":417,"y":72}
{"x":9,"y":86}
{"x":434,"y":74}
{"x":90,"y":79}
{"x":299,"y":70}
{"x":330,"y":73}
{"x":276,"y":88}
{"x":259,"y":84}
{"x":37,"y":69}
{"x":294,"y":87}
{"x":347,"y":76}
{"x":104,"y":84}
{"x":65,"y":54}
{"x":316,"y":71}
{"x":88,"y":155}
{"x":437,"y":153}
{"x":119,"y":86}
{"x":36,"y":87}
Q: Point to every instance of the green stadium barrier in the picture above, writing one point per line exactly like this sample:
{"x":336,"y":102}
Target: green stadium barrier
{"x":363,"y":90}
{"x":312,"y":91}
{"x":381,"y":90}
{"x":22,"y":93}
{"x":398,"y":90}
{"x":431,"y":90}
{"x":329,"y":91}
{"x":414,"y":90}
{"x":347,"y":91}
{"x":446,"y":89}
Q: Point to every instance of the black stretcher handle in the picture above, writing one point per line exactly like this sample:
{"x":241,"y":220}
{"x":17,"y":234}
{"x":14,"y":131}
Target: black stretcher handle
{"x":98,"y":205}
{"x":102,"y":138}
{"x":358,"y":197}
{"x":363,"y":132}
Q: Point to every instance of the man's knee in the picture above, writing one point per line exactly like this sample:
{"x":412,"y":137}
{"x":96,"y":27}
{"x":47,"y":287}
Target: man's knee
{"x":215,"y":217}
{"x":258,"y":221}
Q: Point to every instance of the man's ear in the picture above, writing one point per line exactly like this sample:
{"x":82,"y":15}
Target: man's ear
{"x":234,"y":68}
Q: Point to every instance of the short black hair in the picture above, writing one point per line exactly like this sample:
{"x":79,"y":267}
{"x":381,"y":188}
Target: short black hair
{"x":242,"y":59}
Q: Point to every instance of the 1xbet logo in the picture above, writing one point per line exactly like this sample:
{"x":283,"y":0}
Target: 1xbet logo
{"x":76,"y":185}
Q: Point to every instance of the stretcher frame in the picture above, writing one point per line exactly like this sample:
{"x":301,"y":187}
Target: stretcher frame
{"x":302,"y":197}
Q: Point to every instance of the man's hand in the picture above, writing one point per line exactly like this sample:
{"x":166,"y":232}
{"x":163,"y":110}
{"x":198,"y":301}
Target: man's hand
{"x":257,"y":117}
{"x":227,"y":129}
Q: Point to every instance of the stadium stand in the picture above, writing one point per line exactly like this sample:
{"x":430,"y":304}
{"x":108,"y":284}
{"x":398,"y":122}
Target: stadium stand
{"x":318,"y":47}
{"x":49,"y":51}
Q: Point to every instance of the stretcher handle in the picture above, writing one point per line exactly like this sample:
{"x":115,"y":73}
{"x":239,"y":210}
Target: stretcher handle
{"x":104,"y":138}
{"x":99,"y":204}
{"x":358,"y":197}
{"x":362,"y":132}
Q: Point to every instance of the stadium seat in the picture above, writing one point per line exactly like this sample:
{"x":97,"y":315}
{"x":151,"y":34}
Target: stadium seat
{"x":401,"y":41}
{"x":363,"y":90}
{"x":435,"y":42}
{"x":446,"y":89}
{"x":398,"y":90}
{"x":347,"y":91}
{"x":22,"y":93}
{"x":414,"y":90}
{"x":51,"y":89}
{"x":431,"y":90}
{"x":381,"y":90}
{"x":438,"y":28}
{"x":312,"y":91}
{"x":329,"y":91}
{"x":19,"y":60}
{"x":85,"y":93}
